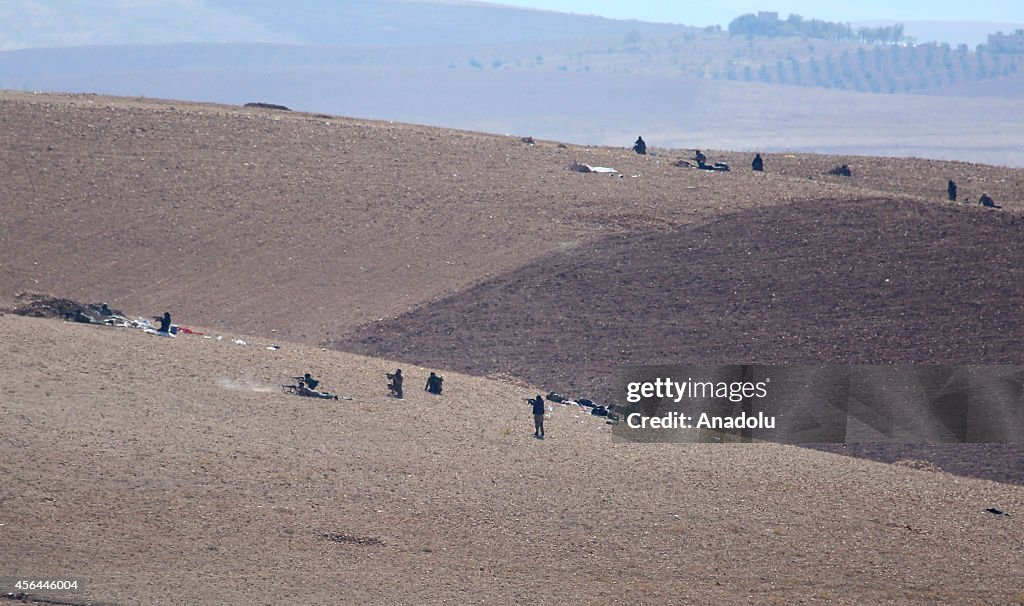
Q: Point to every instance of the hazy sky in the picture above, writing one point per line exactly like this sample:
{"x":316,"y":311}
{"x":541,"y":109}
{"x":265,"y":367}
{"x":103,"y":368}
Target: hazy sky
{"x":710,"y":12}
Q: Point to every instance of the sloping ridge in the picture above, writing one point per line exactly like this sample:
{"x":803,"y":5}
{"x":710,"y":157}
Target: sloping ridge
{"x":857,"y":282}
{"x":310,"y":225}
{"x":871,"y":281}
{"x":129,"y":454}
{"x":306,"y":227}
{"x":155,"y":462}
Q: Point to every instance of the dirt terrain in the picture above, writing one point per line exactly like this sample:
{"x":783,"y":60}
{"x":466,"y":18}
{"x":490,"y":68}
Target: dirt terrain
{"x":176,"y":471}
{"x":311,"y":226}
{"x":827,"y":281}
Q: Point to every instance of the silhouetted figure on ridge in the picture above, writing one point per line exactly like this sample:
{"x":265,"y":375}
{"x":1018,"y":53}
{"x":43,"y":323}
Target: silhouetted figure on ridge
{"x":640,"y":147}
{"x":951,"y":190}
{"x":758,"y":164}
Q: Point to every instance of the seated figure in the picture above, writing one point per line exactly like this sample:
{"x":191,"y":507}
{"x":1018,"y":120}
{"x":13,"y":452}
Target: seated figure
{"x":640,"y":146}
{"x":434,"y":384}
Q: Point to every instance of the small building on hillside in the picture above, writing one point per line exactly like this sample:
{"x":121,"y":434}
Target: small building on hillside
{"x":1006,"y":43}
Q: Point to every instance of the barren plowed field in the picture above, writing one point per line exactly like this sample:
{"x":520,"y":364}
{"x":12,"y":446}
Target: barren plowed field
{"x":826,"y":281}
{"x":178,"y":471}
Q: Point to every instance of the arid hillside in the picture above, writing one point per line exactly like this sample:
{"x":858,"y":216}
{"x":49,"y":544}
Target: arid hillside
{"x":310,"y":226}
{"x":175,"y":471}
{"x":823,"y":281}
{"x":166,"y":470}
{"x":487,"y":254}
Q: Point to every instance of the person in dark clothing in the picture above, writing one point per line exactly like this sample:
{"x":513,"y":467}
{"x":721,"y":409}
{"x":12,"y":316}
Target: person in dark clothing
{"x":951,"y":190}
{"x":987,"y":201}
{"x":758,"y":164}
{"x":395,"y":386}
{"x":538,"y":416}
{"x":434,"y":384}
{"x":165,"y":322}
{"x":304,"y":390}
{"x":700,"y":158}
{"x":640,"y":147}
{"x":310,"y":381}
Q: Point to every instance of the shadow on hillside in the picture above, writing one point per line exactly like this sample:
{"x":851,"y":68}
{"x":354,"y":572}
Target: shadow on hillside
{"x":869,"y":282}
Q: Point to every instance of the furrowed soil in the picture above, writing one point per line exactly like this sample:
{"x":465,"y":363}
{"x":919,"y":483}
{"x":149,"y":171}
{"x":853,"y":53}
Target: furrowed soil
{"x":177,"y":471}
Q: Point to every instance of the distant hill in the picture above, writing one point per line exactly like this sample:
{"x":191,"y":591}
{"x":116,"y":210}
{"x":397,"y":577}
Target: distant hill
{"x":505,"y":70}
{"x":546,"y":98}
{"x":73,"y":23}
